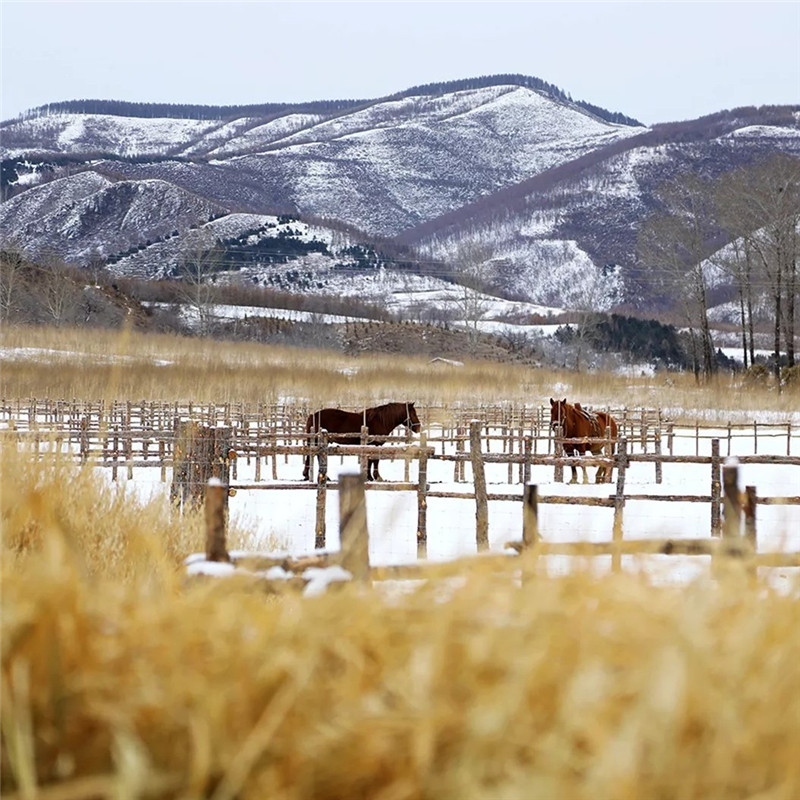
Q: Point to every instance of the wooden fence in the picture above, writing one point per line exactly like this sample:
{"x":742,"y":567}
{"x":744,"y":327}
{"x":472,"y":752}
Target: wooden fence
{"x":139,"y":425}
{"x":212,"y":441}
{"x":736,"y":549}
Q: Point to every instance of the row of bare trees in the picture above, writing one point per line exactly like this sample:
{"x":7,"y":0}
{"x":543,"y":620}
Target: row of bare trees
{"x":742,"y":228}
{"x":46,"y":291}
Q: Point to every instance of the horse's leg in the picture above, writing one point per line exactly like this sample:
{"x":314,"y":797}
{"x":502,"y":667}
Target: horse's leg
{"x":372,"y":468}
{"x":571,"y":454}
{"x":585,"y":473}
{"x":598,"y":476}
{"x":603,"y":472}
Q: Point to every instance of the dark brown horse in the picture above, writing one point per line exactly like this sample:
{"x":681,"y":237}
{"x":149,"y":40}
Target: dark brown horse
{"x":344,"y":427}
{"x":591,"y":427}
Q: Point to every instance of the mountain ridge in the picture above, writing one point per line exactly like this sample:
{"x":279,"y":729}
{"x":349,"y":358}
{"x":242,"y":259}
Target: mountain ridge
{"x":551,"y":191}
{"x":260,"y":109}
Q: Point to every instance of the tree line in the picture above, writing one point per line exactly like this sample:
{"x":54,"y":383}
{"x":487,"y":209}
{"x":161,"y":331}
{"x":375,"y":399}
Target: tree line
{"x":740,"y":228}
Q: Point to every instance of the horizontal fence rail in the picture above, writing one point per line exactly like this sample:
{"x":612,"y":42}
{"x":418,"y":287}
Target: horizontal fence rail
{"x":269,"y":437}
{"x":734,"y":554}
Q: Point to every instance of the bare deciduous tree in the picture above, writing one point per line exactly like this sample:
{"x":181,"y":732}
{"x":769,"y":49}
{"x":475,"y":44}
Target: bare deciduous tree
{"x":59,"y":293}
{"x":673,"y":246}
{"x":12,"y":276}
{"x":200,"y":261}
{"x":473,"y":263}
{"x":760,"y":207}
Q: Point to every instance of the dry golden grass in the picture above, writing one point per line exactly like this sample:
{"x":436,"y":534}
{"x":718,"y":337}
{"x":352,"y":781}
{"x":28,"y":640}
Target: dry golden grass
{"x":120,"y":681}
{"x":96,"y":365}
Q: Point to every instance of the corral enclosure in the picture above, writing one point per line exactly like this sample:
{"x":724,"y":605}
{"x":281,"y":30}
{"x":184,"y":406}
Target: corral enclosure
{"x":670,"y":487}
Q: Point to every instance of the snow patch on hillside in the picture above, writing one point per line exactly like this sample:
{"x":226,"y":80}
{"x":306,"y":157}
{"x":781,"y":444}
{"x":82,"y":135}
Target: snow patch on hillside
{"x":266,"y":134}
{"x":760,"y":131}
{"x":124,"y":136}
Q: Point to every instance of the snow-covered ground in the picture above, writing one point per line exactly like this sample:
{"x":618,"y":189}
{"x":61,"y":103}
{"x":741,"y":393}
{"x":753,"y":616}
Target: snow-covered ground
{"x":283,"y":520}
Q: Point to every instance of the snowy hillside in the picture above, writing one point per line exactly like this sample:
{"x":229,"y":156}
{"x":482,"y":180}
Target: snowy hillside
{"x":86,"y":216}
{"x":552,"y":194}
{"x":97,"y":133}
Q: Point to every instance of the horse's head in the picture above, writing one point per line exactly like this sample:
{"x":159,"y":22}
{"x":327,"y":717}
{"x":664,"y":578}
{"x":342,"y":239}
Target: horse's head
{"x":558,"y":412}
{"x":412,"y":420}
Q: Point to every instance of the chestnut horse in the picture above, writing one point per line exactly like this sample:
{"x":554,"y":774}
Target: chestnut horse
{"x":344,"y":427}
{"x":593,"y":427}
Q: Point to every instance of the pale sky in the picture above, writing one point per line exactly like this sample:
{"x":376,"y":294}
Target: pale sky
{"x":654,"y":61}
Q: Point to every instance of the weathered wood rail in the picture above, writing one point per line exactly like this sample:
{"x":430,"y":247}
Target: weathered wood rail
{"x":148,"y":435}
{"x":736,"y":550}
{"x":133,"y":434}
{"x":505,"y":426}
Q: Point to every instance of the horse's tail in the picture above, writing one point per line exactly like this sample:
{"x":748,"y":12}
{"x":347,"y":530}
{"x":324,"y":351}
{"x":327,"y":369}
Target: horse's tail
{"x":611,"y":430}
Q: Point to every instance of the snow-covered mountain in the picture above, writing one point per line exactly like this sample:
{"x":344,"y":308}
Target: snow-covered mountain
{"x":550,"y":191}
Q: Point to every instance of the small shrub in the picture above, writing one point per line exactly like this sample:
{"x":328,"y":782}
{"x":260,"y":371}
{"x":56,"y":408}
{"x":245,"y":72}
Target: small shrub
{"x":790,"y":376}
{"x":756,"y":375}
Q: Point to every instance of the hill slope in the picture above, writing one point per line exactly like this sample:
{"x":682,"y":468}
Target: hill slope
{"x":552,"y":191}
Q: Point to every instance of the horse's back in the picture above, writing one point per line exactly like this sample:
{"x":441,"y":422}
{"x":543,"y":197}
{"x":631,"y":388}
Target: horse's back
{"x":334,"y":420}
{"x":608,"y":422}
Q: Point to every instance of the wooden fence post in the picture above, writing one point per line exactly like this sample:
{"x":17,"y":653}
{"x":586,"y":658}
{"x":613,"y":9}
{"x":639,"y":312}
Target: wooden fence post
{"x":162,"y":457}
{"x":526,"y":466}
{"x":732,"y":528}
{"x":216,"y":520}
{"x":353,"y":533}
{"x":257,"y":462}
{"x":657,"y":446}
{"x":363,"y":459}
{"x":407,"y":461}
{"x":115,"y":454}
{"x":185,"y":432}
{"x":530,"y":516}
{"x":643,"y":430}
{"x":458,"y":468}
{"x":733,"y":544}
{"x":84,"y":439}
{"x":558,"y":452}
{"x":129,"y":452}
{"x":619,"y":505}
{"x":322,"y":488}
{"x":273,"y":449}
{"x":715,"y":488}
{"x":479,"y":478}
{"x":199,"y":453}
{"x":422,"y":500}
{"x":750,"y":502}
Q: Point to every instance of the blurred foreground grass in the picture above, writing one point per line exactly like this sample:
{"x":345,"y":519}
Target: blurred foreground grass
{"x":119,"y":680}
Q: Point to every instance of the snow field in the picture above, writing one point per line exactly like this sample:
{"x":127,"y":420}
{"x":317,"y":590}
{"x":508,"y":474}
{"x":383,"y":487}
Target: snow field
{"x":284,"y":520}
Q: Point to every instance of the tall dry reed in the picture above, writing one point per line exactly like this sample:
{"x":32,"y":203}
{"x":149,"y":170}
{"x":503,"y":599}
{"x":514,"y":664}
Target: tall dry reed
{"x":90,"y":365}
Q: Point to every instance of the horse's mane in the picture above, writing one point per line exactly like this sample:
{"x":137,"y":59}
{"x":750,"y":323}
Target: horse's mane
{"x":379,"y":413}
